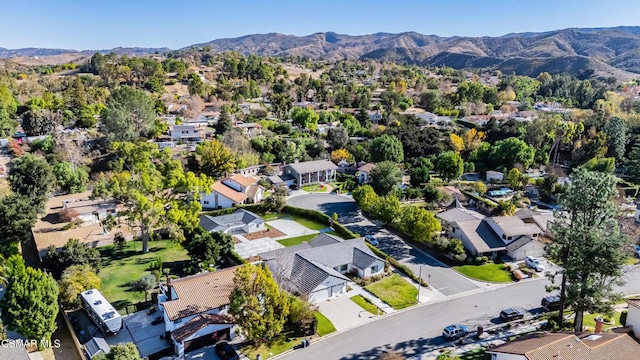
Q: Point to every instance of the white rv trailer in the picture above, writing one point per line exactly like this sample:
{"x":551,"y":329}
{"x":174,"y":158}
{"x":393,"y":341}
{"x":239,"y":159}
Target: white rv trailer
{"x":101,"y":311}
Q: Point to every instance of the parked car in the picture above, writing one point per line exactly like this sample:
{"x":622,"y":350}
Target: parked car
{"x":453,"y":332}
{"x":511,"y":314}
{"x":534,"y":263}
{"x":636,"y":248}
{"x":371,"y":240}
{"x":551,"y":302}
{"x":226,"y":352}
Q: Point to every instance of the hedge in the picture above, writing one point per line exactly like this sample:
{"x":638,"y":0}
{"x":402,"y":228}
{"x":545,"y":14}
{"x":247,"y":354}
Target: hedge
{"x":322,"y":218}
{"x":401,"y":267}
{"x":480,"y":198}
{"x":237,"y":258}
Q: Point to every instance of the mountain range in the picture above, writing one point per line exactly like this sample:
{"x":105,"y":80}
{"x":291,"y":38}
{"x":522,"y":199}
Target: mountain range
{"x":592,"y":51}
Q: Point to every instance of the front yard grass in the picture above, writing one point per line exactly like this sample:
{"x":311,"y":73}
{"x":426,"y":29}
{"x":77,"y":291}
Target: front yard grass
{"x":315,"y":188}
{"x":325,"y":327}
{"x":284,"y":342}
{"x":119,"y":268}
{"x":487,"y":272}
{"x":267,"y":351}
{"x":296,"y":240}
{"x":589,"y":320}
{"x":395,"y":291}
{"x":308,"y":223}
{"x":631,"y":260}
{"x":363,"y":303}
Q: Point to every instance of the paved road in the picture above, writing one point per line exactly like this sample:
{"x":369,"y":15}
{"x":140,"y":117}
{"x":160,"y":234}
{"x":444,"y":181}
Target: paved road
{"x":443,"y":278}
{"x":419,"y":329}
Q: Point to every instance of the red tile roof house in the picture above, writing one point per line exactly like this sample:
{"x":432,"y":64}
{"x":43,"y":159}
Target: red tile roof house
{"x":560,"y":346}
{"x":231,"y":191}
{"x":195,"y":309}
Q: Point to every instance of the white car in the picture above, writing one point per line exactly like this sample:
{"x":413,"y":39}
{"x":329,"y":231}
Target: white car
{"x":534,"y":263}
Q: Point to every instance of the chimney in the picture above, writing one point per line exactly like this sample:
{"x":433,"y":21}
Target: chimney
{"x":168,"y":288}
{"x":598,"y":325}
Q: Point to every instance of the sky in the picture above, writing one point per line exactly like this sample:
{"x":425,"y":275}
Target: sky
{"x":105,"y":24}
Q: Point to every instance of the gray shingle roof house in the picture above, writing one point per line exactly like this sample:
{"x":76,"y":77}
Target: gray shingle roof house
{"x":310,"y":172}
{"x":241,"y":221}
{"x":494,"y":236}
{"x":316,"y":269}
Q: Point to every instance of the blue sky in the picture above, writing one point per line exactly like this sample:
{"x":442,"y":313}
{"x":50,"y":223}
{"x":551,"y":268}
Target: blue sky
{"x":105,"y":24}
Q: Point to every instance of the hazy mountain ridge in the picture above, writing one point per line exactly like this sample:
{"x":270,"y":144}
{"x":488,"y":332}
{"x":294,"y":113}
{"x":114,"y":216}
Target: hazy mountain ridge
{"x":606,"y":51}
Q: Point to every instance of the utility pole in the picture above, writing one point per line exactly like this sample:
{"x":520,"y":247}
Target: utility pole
{"x":419,"y":286}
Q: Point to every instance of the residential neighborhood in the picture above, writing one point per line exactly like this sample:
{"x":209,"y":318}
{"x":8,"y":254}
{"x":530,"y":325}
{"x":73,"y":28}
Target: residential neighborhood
{"x":387,"y":196}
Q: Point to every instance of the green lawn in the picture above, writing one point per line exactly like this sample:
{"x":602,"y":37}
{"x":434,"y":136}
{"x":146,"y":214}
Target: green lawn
{"x":325,"y":326}
{"x":296,"y":240}
{"x":631,"y":260}
{"x":308,"y":223}
{"x":284,"y":342}
{"x":589,"y":320}
{"x":267,"y":217}
{"x":487,"y":272}
{"x":315,"y":188}
{"x":122,"y":267}
{"x":395,"y":291}
{"x":363,"y":303}
{"x":271,"y":350}
{"x":476,"y":354}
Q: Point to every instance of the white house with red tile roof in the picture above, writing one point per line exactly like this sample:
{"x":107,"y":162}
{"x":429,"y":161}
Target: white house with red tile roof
{"x":231,"y":191}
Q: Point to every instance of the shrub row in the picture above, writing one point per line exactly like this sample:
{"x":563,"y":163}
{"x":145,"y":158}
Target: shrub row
{"x":487,"y":202}
{"x":322,"y":218}
{"x":236,"y":258}
{"x":401,"y":267}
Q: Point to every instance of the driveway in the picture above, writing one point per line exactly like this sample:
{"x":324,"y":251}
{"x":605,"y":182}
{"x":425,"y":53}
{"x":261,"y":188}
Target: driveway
{"x":343,"y":313}
{"x":443,"y":278}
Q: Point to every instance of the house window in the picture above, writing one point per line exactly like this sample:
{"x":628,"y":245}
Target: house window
{"x":375,"y":269}
{"x":509,"y":238}
{"x":504,"y":236}
{"x":535,"y":235}
{"x":342,"y":268}
{"x":206,"y":202}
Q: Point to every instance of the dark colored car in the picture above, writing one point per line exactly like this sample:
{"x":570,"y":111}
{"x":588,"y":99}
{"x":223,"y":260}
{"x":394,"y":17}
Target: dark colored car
{"x":511,"y":314}
{"x":551,"y":302}
{"x":226,"y":352}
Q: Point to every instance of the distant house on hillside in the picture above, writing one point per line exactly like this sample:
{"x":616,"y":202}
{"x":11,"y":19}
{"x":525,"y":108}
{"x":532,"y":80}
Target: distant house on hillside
{"x":364,"y":171}
{"x":186,"y":133}
{"x":311,"y":172}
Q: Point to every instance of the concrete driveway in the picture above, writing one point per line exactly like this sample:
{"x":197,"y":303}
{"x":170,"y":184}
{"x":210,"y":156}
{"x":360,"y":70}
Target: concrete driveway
{"x":290,"y":227}
{"x":443,"y":278}
{"x":343,"y":313}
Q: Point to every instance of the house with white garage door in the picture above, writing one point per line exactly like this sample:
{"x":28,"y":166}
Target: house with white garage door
{"x":317,"y":269}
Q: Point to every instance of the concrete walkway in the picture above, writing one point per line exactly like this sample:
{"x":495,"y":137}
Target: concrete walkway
{"x":344,"y":313}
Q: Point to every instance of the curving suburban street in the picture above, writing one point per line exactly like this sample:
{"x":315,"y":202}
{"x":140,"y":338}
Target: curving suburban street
{"x":417,"y":330}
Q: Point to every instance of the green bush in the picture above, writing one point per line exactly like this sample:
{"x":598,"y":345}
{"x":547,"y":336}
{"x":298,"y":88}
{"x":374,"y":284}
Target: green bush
{"x":623,"y":318}
{"x":236,"y":258}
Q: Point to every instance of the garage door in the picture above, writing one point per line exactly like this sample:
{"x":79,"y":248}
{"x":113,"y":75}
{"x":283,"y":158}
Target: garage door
{"x":337,"y":289}
{"x":205,"y":340}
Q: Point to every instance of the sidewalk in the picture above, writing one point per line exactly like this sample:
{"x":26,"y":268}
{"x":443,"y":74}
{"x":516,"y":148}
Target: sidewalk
{"x":471,"y":342}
